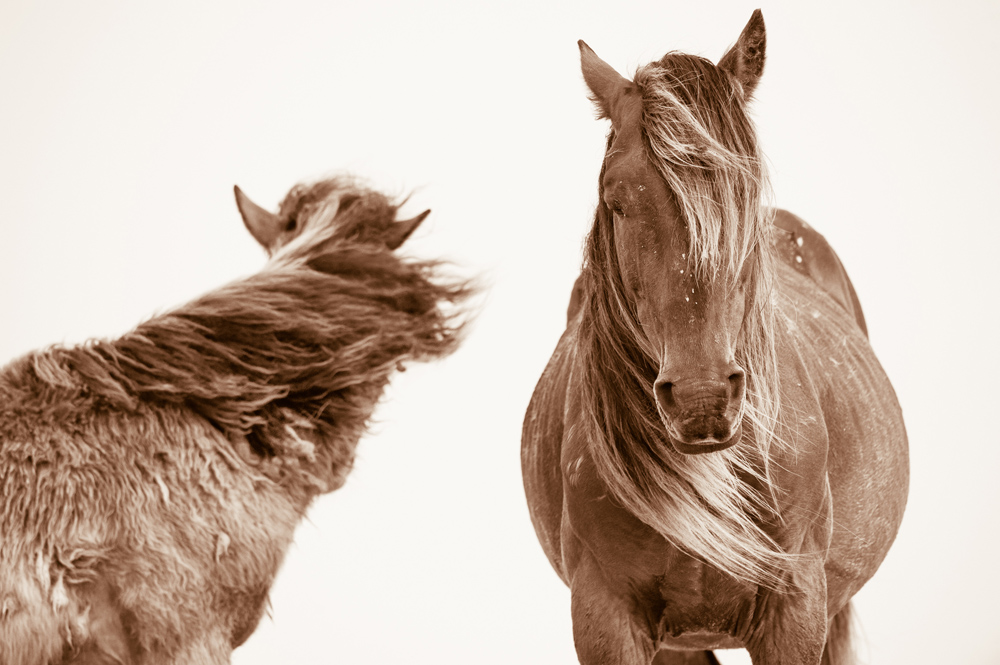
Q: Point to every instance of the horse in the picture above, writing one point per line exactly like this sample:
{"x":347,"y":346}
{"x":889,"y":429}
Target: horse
{"x":713,"y":457}
{"x":152,"y":483}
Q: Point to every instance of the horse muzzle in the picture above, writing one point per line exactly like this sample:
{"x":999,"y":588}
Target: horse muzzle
{"x":697,"y":445}
{"x":701,"y":416}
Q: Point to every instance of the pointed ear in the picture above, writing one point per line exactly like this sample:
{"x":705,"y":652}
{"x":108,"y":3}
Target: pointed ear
{"x":606,"y":85}
{"x":745,"y":60}
{"x":264,"y":226}
{"x":400,"y":231}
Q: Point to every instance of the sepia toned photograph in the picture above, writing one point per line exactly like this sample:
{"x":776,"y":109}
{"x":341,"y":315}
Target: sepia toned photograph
{"x":604,"y":333}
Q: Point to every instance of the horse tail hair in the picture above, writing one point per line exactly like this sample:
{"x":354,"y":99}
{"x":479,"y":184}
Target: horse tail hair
{"x":839,"y":648}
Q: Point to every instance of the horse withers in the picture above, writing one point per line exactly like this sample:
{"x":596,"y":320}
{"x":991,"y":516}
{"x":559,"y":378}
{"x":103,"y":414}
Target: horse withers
{"x":151,"y":484}
{"x":713,"y":457}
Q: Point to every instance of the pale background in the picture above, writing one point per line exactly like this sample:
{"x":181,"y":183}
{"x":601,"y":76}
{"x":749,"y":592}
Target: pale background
{"x":123,"y":128}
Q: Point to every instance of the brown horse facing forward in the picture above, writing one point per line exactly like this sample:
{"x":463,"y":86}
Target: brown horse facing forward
{"x":713,"y":457}
{"x":151,"y":484}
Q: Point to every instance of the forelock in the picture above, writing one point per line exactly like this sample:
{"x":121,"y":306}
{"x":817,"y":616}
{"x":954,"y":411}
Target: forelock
{"x":336,"y":209}
{"x":703,"y":144}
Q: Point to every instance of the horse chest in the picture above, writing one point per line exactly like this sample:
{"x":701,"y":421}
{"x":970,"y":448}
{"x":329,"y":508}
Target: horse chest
{"x":682,"y":602}
{"x":613,"y":536}
{"x":679,"y":602}
{"x":701,"y":607}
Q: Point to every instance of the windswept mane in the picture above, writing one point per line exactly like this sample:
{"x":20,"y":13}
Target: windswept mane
{"x":295,"y":355}
{"x":701,"y":141}
{"x":337,"y":209}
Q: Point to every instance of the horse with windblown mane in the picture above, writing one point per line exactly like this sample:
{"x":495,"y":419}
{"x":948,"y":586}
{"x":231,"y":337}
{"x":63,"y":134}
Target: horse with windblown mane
{"x":713,"y":457}
{"x":152,"y":484}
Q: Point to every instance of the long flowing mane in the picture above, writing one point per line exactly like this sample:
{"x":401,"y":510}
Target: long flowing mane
{"x":291,"y":360}
{"x":700,"y":139}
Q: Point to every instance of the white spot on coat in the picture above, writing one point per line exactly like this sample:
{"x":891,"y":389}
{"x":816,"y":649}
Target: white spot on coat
{"x":222,"y":545}
{"x":59,"y":597}
{"x":798,"y":241}
{"x":300,"y":446}
{"x":164,"y":490}
{"x":42,"y":572}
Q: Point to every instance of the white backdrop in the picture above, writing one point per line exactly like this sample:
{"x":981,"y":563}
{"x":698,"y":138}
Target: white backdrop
{"x":123,"y":129}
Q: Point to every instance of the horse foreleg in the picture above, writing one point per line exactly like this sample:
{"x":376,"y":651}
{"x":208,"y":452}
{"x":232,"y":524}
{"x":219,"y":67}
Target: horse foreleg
{"x":791,"y":628}
{"x":838,"y":650}
{"x":605,"y":634}
{"x":604,"y":629}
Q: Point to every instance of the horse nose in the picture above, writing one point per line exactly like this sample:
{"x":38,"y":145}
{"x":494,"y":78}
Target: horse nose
{"x":703,"y":408}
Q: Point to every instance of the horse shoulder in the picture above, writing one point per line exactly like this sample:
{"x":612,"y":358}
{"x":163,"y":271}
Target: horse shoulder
{"x":114,"y":516}
{"x":805,"y":249}
{"x":542,"y":438}
{"x":575,"y":300}
{"x":569,"y":504}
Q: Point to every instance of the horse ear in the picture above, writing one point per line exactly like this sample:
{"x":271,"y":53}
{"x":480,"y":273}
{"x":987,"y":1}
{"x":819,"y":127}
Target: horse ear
{"x":745,"y":60}
{"x":606,"y":85}
{"x":400,"y":231}
{"x":264,"y":226}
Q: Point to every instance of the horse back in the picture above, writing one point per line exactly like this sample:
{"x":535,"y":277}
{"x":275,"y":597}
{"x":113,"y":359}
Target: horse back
{"x":803,"y":248}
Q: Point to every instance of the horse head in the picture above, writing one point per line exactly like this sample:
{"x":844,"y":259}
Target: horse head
{"x":309,"y":208}
{"x":681,"y":229}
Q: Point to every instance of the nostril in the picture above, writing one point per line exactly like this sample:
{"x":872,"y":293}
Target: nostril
{"x":737,"y":384}
{"x":665,"y":396}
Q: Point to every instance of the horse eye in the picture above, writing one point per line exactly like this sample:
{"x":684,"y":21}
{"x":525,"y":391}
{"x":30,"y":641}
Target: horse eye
{"x":292,"y":223}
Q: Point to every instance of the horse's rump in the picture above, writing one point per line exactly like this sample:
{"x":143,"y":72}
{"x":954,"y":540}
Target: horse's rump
{"x":805,"y":249}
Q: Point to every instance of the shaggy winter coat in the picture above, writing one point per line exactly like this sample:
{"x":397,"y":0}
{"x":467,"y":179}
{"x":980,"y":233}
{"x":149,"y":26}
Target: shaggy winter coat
{"x":150,"y":485}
